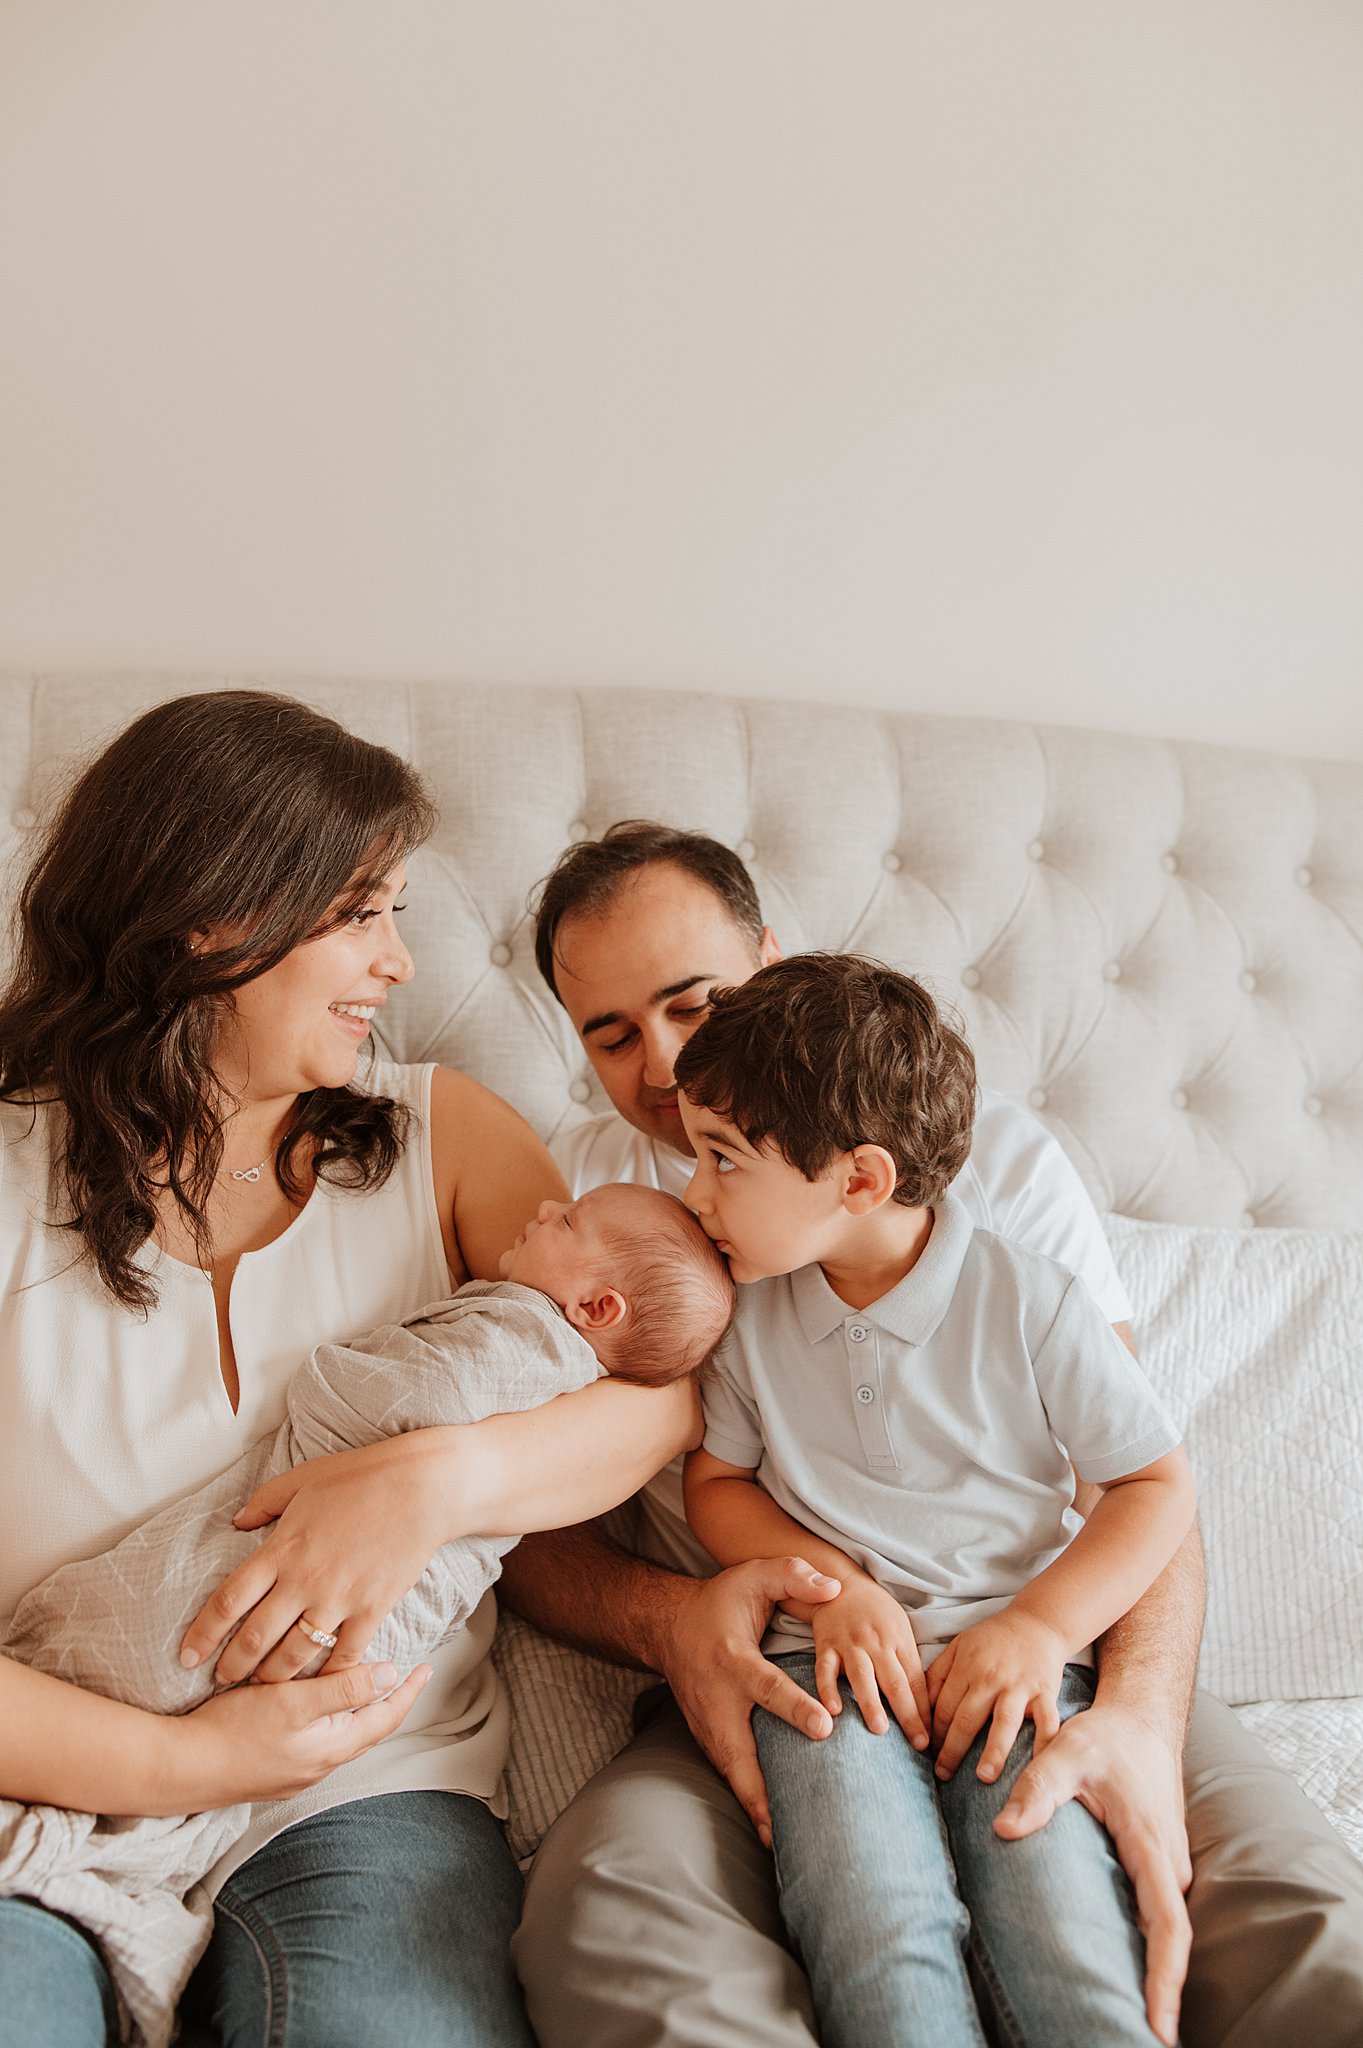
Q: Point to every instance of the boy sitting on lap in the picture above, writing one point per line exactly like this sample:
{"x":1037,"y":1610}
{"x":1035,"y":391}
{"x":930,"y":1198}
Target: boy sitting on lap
{"x":904,"y":1400}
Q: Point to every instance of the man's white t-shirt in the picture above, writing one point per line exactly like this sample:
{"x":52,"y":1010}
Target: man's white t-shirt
{"x":1017,"y":1182}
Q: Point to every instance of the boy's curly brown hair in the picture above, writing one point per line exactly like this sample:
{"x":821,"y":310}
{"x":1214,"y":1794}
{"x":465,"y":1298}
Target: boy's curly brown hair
{"x":828,"y":1051}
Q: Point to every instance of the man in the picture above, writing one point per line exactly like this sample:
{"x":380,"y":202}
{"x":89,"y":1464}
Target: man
{"x":651,"y":1911}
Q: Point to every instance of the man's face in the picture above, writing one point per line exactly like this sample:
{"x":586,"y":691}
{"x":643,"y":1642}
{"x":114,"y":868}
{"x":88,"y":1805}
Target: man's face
{"x":636,"y":981}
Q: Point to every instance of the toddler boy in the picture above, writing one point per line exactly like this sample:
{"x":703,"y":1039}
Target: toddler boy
{"x":904,"y":1401}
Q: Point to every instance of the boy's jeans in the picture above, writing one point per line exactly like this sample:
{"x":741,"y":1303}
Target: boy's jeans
{"x":1038,"y":1948}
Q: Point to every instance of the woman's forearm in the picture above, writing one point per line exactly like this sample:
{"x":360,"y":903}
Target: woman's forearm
{"x":60,"y":1746}
{"x":547,"y":1468}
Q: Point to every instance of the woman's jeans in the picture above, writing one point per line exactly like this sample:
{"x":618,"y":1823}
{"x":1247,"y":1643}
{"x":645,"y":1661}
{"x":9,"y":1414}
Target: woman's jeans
{"x":917,"y":1923}
{"x":387,"y":1922}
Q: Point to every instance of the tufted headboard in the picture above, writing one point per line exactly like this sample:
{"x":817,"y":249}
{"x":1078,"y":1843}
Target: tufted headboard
{"x":1158,"y":946}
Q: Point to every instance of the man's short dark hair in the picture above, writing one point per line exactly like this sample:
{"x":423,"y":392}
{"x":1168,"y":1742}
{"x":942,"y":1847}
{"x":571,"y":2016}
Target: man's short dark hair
{"x":588,"y":876}
{"x":827,"y":1051}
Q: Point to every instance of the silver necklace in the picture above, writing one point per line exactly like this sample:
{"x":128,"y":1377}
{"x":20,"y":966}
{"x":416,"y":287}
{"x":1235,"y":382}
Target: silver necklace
{"x":251,"y":1173}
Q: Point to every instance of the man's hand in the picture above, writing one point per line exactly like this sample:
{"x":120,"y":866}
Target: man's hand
{"x":1009,"y":1667}
{"x":866,"y":1635}
{"x":1127,"y":1776}
{"x":715,"y":1667}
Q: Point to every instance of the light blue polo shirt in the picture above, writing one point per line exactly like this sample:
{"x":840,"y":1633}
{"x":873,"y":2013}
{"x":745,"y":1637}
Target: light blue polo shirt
{"x":931,"y":1436}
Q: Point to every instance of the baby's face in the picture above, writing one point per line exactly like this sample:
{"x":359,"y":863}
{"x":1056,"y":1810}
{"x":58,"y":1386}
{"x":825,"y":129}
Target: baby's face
{"x":562,"y":1249}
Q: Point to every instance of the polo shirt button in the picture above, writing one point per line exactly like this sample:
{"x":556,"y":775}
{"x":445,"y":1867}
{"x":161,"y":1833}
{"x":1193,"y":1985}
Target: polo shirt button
{"x":857,"y":1332}
{"x":25,"y":819}
{"x":500,"y":956}
{"x":745,"y":849}
{"x":891,"y":863}
{"x":866,"y":1395}
{"x":970,"y":977}
{"x":1037,"y":1098}
{"x":1036,"y":850}
{"x":580,"y":1091}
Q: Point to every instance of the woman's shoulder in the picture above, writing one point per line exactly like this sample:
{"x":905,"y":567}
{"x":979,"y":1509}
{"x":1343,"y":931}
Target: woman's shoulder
{"x":401,"y":1080}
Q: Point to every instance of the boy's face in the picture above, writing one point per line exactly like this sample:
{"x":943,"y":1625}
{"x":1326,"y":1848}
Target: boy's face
{"x":563,"y":1249}
{"x":758,"y":1208}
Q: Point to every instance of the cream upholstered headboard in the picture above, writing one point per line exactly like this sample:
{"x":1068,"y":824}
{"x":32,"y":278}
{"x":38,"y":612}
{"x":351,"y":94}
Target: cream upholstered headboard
{"x":1159,"y":946}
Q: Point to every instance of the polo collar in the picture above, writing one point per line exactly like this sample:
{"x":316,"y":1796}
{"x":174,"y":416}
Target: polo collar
{"x":912,"y":1310}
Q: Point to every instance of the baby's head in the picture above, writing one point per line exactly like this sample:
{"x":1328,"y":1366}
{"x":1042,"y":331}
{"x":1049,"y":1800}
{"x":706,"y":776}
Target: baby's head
{"x":635,"y":1273}
{"x":822,"y":1088}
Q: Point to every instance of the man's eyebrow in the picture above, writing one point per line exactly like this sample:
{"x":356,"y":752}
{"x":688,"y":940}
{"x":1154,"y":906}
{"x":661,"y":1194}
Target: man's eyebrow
{"x":659,"y":995}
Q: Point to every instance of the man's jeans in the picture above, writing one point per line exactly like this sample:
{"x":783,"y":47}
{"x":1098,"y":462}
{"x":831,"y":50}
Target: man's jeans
{"x":386,"y":1922}
{"x":916,"y":1922}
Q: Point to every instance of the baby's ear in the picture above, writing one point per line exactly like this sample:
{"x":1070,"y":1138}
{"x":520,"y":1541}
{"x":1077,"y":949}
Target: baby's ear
{"x":596,"y":1310}
{"x":872,"y":1177}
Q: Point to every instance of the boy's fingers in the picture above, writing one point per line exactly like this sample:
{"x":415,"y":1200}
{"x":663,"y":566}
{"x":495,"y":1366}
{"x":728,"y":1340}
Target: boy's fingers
{"x":918,"y":1686}
{"x":1003,"y":1733}
{"x":966,"y":1724}
{"x":827,"y":1665}
{"x":861,"y":1676}
{"x":898,"y":1690}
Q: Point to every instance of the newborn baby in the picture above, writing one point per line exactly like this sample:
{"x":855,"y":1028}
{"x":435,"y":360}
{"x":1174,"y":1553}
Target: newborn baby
{"x":623,"y":1279}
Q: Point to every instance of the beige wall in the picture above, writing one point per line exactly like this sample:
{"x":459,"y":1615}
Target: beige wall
{"x":1003,"y":358}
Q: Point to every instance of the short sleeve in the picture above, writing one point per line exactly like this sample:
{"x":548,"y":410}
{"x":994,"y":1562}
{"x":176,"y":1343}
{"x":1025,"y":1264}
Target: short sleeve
{"x":733,"y":1430}
{"x":1098,"y":1402}
{"x":1032,"y":1195}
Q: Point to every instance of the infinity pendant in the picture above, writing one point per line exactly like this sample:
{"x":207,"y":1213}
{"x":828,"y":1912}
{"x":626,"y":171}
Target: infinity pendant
{"x":245,"y":1173}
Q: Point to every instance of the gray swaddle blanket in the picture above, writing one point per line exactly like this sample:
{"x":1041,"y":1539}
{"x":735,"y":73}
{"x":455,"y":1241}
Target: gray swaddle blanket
{"x":113,"y":1623}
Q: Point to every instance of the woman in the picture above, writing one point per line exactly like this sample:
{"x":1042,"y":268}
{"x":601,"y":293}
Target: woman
{"x":195,"y":1189}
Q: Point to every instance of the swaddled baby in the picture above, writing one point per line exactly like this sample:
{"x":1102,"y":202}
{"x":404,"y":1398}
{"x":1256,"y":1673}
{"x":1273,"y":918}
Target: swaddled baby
{"x":623,"y":1279}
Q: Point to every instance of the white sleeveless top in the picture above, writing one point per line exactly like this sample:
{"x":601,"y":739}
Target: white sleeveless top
{"x":107,"y":1416}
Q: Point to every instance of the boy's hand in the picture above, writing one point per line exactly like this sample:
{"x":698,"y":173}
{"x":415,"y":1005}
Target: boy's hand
{"x":867,"y":1635}
{"x":1009,"y":1667}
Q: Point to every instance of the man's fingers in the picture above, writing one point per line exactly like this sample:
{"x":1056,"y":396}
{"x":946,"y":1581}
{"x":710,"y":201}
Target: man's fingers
{"x":777,"y":1691}
{"x":1168,"y":1941}
{"x":790,"y":1578}
{"x":734,"y":1756}
{"x":1040,"y":1789}
{"x":1045,"y":1722}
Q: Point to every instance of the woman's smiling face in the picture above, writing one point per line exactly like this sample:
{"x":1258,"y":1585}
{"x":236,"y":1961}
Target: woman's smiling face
{"x":301,"y":1024}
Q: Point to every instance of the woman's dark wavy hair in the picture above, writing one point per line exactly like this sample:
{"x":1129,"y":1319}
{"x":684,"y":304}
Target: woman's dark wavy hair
{"x":235,"y":812}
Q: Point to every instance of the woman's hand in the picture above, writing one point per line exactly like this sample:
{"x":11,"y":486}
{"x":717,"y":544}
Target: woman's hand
{"x":353,"y":1532}
{"x":270,"y":1741}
